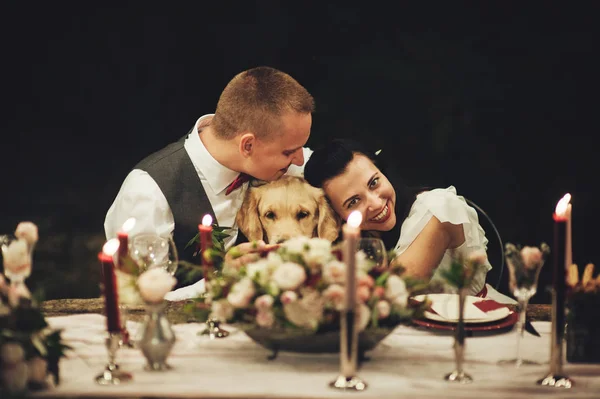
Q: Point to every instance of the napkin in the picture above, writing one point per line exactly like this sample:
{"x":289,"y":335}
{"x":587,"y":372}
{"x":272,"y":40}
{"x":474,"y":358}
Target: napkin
{"x":448,"y":308}
{"x":488,"y":305}
{"x":187,"y":292}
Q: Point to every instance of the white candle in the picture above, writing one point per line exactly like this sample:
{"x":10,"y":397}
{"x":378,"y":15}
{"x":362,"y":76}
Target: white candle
{"x":351,"y":234}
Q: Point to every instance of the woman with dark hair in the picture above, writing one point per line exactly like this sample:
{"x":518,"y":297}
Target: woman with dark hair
{"x":426,"y":227}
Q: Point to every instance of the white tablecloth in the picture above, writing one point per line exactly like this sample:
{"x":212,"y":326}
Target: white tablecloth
{"x":410,"y":363}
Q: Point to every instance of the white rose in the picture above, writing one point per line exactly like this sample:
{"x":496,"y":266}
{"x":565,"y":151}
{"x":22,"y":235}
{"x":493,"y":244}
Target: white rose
{"x":396,"y":291}
{"x":319,"y":253}
{"x":265,"y":318}
{"x":297,"y":245}
{"x":37,"y":369}
{"x":383,"y":309}
{"x":334,"y":272}
{"x":222,"y":310}
{"x":27,"y":231}
{"x":241,"y":293}
{"x":289,"y":276}
{"x":362,"y":262}
{"x":264,"y":302}
{"x":259,"y":271}
{"x":306,"y":312}
{"x":364,"y":317}
{"x":154,"y":284}
{"x":288,"y":297}
{"x":17,"y":258}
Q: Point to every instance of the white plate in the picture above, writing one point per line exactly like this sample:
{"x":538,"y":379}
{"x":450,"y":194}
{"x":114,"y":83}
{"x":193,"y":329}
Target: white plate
{"x":492,"y":315}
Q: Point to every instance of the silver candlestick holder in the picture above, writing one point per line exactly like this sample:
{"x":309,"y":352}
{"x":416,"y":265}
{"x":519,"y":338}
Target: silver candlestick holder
{"x":556,"y":378}
{"x":112,"y":375}
{"x":348,"y":380}
{"x":214,"y":330}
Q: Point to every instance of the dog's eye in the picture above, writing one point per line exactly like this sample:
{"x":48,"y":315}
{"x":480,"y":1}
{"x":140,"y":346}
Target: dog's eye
{"x":301,"y":215}
{"x":270,"y":215}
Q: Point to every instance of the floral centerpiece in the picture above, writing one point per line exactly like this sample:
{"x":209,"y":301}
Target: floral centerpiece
{"x":29,"y":349}
{"x":298,"y":289}
{"x":583,"y":324}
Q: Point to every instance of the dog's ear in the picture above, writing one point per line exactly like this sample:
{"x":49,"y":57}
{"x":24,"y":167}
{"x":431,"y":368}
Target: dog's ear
{"x":329,"y":222}
{"x":247,"y":217}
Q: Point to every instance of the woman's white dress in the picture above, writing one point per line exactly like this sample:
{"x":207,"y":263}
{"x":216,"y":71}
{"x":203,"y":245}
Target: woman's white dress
{"x":446,"y":206}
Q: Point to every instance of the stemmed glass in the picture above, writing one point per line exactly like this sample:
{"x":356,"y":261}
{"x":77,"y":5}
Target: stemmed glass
{"x":150,"y":251}
{"x":524,"y":266}
{"x":375,"y":252}
{"x":153,"y":250}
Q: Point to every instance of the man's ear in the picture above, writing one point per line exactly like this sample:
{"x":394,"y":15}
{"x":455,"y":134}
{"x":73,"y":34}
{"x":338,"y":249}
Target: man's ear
{"x":247,"y":141}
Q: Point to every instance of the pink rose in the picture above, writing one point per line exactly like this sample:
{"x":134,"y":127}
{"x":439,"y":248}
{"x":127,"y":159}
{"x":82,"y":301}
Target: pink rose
{"x":334,"y":272}
{"x":532,"y":257}
{"x":288,"y":297}
{"x":379,"y":292}
{"x":383,"y":309}
{"x":365,"y":280}
{"x":222,"y":310}
{"x":335,"y":295}
{"x":263,"y":302}
{"x":154,"y":284}
{"x":265,"y":318}
{"x":363,"y":293}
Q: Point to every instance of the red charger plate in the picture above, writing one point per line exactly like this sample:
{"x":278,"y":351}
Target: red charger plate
{"x":508,"y":321}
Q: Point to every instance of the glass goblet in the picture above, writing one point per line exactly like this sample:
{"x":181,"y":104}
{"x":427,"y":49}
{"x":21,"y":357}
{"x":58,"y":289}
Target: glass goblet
{"x":153,"y":250}
{"x":374,"y":251}
{"x":524,"y":266}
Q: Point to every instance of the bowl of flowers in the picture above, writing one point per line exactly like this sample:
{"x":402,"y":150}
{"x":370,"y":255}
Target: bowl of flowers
{"x":291,"y":297}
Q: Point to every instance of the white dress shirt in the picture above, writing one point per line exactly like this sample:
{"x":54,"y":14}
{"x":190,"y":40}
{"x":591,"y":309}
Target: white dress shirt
{"x":141,"y":198}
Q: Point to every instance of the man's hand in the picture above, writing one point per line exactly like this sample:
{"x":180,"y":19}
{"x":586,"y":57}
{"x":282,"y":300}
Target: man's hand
{"x":247,"y":252}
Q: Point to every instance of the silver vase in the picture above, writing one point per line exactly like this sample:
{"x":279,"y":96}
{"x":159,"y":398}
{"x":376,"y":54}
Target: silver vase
{"x":157,"y":337}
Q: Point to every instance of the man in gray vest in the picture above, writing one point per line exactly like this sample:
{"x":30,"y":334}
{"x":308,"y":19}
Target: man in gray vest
{"x":259,"y":129}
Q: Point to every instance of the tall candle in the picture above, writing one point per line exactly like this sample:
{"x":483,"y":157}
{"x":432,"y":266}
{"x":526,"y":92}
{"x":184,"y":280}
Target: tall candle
{"x":569,"y":253}
{"x":561,"y":216}
{"x":111,"y":295}
{"x":205,"y":232}
{"x":351,"y":235}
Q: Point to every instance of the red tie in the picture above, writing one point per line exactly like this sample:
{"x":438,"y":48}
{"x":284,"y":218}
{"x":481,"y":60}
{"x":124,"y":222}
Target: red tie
{"x":237,"y":183}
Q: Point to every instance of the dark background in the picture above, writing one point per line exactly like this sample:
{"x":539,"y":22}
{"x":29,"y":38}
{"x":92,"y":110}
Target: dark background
{"x":496,"y":98}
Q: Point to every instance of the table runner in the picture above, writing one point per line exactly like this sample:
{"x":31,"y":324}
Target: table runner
{"x":410,"y":362}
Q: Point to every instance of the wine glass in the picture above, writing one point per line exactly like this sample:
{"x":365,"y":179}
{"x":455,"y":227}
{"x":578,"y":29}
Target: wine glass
{"x":375,"y":252}
{"x":524,"y":266}
{"x":152,"y":250}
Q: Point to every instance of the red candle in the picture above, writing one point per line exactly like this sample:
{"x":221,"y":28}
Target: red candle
{"x":123,"y":236}
{"x":205,"y":232}
{"x":111,"y":298}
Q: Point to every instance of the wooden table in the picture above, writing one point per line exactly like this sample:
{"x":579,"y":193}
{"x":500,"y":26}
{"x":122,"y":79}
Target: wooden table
{"x":176,"y":315}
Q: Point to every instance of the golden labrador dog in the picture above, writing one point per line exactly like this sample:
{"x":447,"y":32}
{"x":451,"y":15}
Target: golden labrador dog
{"x":286,"y":208}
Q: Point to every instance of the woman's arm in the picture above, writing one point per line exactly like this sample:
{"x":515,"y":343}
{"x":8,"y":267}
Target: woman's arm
{"x":427,"y":250}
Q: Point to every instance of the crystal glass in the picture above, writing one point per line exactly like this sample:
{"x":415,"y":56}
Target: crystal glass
{"x":112,"y":374}
{"x":374,"y":250}
{"x":153,"y":250}
{"x":524,"y":266}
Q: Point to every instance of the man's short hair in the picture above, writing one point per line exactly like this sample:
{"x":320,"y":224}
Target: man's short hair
{"x":255,"y":99}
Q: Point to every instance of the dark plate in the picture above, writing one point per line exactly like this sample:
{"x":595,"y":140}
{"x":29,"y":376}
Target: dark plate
{"x":505,"y":323}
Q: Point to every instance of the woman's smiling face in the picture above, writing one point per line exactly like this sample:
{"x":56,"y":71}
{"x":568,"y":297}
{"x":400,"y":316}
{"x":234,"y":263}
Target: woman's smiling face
{"x":363,"y":187}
